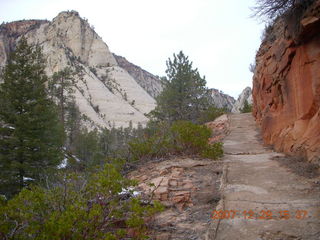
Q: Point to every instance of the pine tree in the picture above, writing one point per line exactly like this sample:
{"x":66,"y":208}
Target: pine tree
{"x":30,"y":133}
{"x":185,"y":94}
{"x":72,"y":125}
{"x":246,"y":107}
{"x":60,"y":89}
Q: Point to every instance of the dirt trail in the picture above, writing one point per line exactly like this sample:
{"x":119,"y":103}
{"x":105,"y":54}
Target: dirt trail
{"x":279,"y":204}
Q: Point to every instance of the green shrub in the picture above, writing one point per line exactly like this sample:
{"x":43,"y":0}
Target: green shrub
{"x":213,"y":151}
{"x":76,"y":208}
{"x":189,"y":137}
{"x":160,"y":139}
{"x":210,"y":114}
{"x":141,"y":149}
{"x":154,"y":142}
{"x":193,"y":138}
{"x":246,"y":107}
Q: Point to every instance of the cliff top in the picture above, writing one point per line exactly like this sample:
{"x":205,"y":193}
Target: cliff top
{"x":20,"y":27}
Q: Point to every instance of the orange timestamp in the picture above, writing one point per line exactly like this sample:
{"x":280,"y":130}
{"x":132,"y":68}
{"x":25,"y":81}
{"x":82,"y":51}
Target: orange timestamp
{"x":263,"y":214}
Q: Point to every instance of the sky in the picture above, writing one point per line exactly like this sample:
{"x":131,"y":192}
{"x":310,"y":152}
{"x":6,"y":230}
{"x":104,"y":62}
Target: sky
{"x":220,"y":37}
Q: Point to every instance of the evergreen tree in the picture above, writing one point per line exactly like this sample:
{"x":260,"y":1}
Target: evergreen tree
{"x":185,"y":94}
{"x":87,"y":147}
{"x":246,"y":107}
{"x":30,"y":133}
{"x":73,"y":124}
{"x":60,"y":89}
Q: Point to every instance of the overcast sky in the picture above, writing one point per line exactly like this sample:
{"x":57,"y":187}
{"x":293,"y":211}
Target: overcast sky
{"x":218,"y":36}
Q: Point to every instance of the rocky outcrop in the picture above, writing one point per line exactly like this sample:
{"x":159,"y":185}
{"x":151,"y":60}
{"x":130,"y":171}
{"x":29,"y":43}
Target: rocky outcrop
{"x":104,"y":91}
{"x":286,"y":88}
{"x":9,"y":33}
{"x":152,"y":84}
{"x":220,"y":128}
{"x":246,"y":95}
{"x":221,"y":100}
{"x":188,"y":187}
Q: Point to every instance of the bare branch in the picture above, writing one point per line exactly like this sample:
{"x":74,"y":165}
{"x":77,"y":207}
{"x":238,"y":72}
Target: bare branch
{"x":271,"y":9}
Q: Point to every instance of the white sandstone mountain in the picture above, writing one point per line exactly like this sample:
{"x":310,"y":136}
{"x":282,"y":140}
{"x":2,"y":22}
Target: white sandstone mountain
{"x":222,"y":100}
{"x":104,"y":91}
{"x":246,"y":94}
{"x":109,"y":90}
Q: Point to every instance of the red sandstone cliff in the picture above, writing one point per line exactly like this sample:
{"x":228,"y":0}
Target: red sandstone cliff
{"x":9,"y":32}
{"x":286,"y":88}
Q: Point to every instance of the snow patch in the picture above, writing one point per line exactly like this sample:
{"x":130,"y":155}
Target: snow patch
{"x":63,"y":164}
{"x":27,"y":179}
{"x":130,"y":191}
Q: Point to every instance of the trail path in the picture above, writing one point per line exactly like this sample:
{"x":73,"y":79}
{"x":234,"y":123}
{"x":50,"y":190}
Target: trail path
{"x":275,"y":199}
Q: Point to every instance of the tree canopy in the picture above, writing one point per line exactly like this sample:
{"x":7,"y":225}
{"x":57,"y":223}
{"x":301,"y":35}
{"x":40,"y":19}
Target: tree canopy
{"x":185,"y":94}
{"x":30,"y":133}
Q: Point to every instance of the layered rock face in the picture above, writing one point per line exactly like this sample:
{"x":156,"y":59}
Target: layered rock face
{"x":104,"y":91}
{"x":152,"y":84}
{"x":286,"y":88}
{"x":245,"y":95}
{"x":221,"y":100}
{"x":10,"y":32}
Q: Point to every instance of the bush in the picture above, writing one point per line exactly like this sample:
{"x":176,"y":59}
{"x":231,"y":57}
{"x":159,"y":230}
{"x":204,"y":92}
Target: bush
{"x":184,"y":137}
{"x":271,"y":9}
{"x":93,"y":70}
{"x":213,"y":151}
{"x":247,"y":108}
{"x":193,"y":139}
{"x":154,"y":142}
{"x":142,"y":149}
{"x":189,"y":137}
{"x":210,"y":114}
{"x":76,"y":208}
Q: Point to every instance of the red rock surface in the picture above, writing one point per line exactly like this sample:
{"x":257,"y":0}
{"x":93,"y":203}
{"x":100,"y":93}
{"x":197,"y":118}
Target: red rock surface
{"x":286,"y":91}
{"x":188,"y":188}
{"x":219,"y":127}
{"x":11,"y":31}
{"x":20,"y":27}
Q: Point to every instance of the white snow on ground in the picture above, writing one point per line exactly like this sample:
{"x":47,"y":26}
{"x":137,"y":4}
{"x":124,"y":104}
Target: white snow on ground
{"x":63,"y":164}
{"x":130,"y":191}
{"x":27,"y":179}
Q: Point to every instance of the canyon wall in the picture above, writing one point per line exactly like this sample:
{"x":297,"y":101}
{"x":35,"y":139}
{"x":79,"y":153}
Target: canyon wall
{"x":286,"y":87}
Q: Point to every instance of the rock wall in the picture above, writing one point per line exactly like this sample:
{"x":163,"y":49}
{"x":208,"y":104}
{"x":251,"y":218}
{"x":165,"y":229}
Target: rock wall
{"x":286,"y":88}
{"x":104,"y":91}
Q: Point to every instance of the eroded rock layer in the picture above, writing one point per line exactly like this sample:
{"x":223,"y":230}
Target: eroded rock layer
{"x":152,"y":84}
{"x":286,"y":88}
